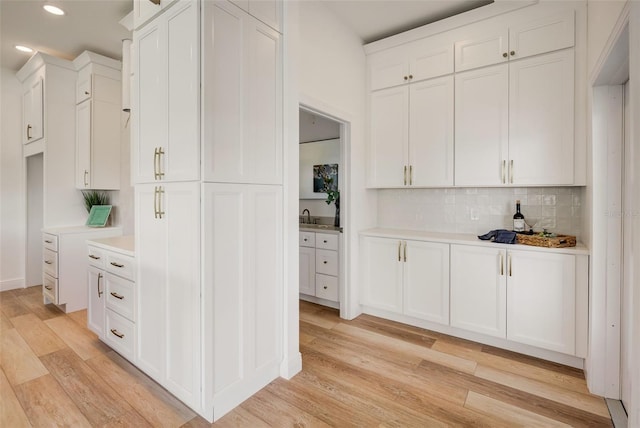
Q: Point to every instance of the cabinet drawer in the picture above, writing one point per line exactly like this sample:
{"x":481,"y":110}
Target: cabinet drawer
{"x":120,"y":334}
{"x":50,"y":241}
{"x":327,"y":241}
{"x":120,"y":296}
{"x":307,"y":239}
{"x":50,"y":262}
{"x":96,"y":257}
{"x":123,"y":266}
{"x":327,"y":262}
{"x":327,"y":287}
{"x":50,"y":288}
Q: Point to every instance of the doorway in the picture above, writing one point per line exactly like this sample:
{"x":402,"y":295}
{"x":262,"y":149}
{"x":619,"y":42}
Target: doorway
{"x":626,"y":309}
{"x":35,"y":218}
{"x":324,"y":141}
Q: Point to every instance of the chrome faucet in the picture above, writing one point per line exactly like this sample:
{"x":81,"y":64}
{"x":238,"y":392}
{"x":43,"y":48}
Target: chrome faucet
{"x":308,"y":216}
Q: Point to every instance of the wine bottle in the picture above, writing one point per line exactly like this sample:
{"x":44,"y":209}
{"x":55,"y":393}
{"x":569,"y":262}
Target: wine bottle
{"x":518,"y":219}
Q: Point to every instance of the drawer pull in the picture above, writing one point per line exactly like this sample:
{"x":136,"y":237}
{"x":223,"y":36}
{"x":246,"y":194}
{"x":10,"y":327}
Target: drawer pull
{"x":100,"y":293}
{"x":116,"y":295}
{"x":325,"y":287}
{"x":94,"y":257}
{"x":48,"y":262}
{"x":29,"y":128}
{"x":117,"y":333}
{"x":86,"y":92}
{"x":325,"y":262}
{"x":48,"y":287}
{"x":48,"y":242}
{"x":325,"y":241}
{"x":118,"y":265}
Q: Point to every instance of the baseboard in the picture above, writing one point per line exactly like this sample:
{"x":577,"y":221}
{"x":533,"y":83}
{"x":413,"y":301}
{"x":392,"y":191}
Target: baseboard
{"x":12,"y":284}
{"x":291,"y":366}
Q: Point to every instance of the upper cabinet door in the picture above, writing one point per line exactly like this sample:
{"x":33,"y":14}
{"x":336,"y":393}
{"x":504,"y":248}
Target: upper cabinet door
{"x":33,"y":110}
{"x":487,"y":45}
{"x":431,"y":132}
{"x":541,"y":118}
{"x":481,"y":123}
{"x":429,"y":58}
{"x":542,"y":35}
{"x":166,"y":94}
{"x":267,"y":11}
{"x":83,"y":145}
{"x":242,"y":90}
{"x":388,"y":68}
{"x":389,"y":127}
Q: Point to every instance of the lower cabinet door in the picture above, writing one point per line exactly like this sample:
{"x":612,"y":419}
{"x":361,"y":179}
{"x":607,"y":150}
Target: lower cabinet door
{"x":96,"y":303}
{"x":308,"y":271}
{"x":541,"y":296}
{"x":426,"y":281}
{"x":478,"y":289}
{"x":382,"y":273}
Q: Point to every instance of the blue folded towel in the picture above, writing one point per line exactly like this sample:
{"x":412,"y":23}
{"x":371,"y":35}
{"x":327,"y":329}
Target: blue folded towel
{"x":501,"y":236}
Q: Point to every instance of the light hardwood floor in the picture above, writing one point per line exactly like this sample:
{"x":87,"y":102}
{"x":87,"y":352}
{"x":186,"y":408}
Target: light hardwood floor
{"x":367,"y":372}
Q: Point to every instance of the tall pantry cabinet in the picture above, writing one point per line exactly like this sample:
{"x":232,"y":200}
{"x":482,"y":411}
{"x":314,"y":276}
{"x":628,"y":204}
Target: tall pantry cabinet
{"x":208,"y":234}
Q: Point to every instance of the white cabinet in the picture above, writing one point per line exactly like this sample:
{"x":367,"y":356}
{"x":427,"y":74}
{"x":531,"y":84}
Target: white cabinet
{"x":412,"y":135}
{"x":168,"y":280}
{"x":242,"y":291}
{"x":144,"y":10}
{"x":407,"y":277}
{"x":533,"y":297}
{"x":267,"y":11}
{"x":319,"y":266}
{"x":65,"y":264}
{"x":242,"y":81}
{"x":32,"y":110}
{"x":488,"y":43}
{"x":111,"y":312}
{"x":514,"y":123}
{"x":166,"y":97}
{"x":410,"y":63}
{"x":98,"y":94}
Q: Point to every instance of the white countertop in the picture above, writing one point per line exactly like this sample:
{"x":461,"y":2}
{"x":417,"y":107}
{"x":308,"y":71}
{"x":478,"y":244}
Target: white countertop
{"x":121,"y":244}
{"x":77,"y":229}
{"x":332,"y":230}
{"x":464,"y":239}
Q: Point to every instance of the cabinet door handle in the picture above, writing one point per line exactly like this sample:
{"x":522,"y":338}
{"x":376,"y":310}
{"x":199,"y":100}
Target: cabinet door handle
{"x":405,"y":175}
{"x":48,"y":242}
{"x":504,"y":167}
{"x":48,"y":262}
{"x":325,"y":287}
{"x":100,"y":292}
{"x":86,"y":173}
{"x":157,"y":202}
{"x":86,"y":92}
{"x":155,"y":163}
{"x":325,"y":241}
{"x":118,"y":265}
{"x":410,"y":76}
{"x":116,"y":295}
{"x":48,"y":287}
{"x":405,"y":251}
{"x":29,"y":127}
{"x":117,"y":333}
{"x":406,"y":78}
{"x":511,"y":172}
{"x":509,"y":261}
{"x":399,"y":251}
{"x":324,"y":262}
{"x":501,"y":265}
{"x":512,"y":53}
{"x":94,"y":257}
{"x":411,"y":175}
{"x":504,"y":54}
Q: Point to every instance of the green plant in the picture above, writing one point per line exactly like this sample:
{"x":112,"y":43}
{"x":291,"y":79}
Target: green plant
{"x":333,"y":194}
{"x":94,"y":197}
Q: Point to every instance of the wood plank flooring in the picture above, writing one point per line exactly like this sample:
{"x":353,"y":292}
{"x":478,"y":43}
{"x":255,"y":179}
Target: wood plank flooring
{"x":367,"y":372}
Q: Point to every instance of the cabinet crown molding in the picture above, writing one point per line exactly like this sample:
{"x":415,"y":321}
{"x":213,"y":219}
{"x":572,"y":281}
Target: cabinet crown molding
{"x":38,"y":60}
{"x":88,"y":57}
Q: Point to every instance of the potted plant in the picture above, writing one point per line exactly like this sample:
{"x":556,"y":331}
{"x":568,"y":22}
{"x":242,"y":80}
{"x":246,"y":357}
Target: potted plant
{"x":94,"y":197}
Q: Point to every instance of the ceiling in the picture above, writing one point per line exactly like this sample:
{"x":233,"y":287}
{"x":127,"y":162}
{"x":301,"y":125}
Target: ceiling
{"x":93,"y":24}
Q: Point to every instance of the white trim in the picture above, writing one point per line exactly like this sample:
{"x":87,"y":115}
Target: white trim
{"x":616,"y":33}
{"x":12,"y":284}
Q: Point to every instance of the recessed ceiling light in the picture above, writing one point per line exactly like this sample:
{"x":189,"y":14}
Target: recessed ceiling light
{"x":24,"y":49}
{"x":53,"y":9}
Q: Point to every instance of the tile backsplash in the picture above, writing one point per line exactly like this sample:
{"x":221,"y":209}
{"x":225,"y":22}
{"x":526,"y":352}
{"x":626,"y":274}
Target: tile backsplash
{"x":479,"y":210}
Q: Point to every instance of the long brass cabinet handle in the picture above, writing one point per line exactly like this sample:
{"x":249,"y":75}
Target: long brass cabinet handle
{"x":118,"y":265}
{"x":510,"y":263}
{"x":405,"y":251}
{"x":405,"y":175}
{"x":157,"y":163}
{"x":399,"y":251}
{"x":411,"y":175}
{"x":29,"y":128}
{"x":157,"y":202}
{"x":117,"y":333}
{"x":511,"y":172}
{"x":116,"y":295}
{"x":86,"y":173}
{"x":501,"y":264}
{"x":100,"y":292}
{"x":504,"y":167}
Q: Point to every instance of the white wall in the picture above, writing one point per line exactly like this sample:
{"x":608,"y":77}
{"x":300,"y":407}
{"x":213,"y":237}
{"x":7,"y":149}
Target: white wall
{"x":331,"y":74}
{"x":12,"y":210}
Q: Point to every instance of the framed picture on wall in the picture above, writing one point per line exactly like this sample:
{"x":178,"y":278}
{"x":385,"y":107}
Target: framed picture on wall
{"x":325,"y":177}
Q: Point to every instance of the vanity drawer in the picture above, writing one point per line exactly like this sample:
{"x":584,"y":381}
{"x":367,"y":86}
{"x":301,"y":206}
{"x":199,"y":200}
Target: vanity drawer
{"x":120,"y":334}
{"x":307,"y":239}
{"x":327,"y":262}
{"x":50,"y":288}
{"x":120,"y":265}
{"x":50,"y":262}
{"x":96,"y":257}
{"x":50,"y":241}
{"x":327,"y":241}
{"x":327,"y":287}
{"x":120,"y":296}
